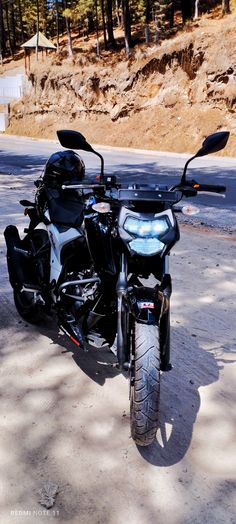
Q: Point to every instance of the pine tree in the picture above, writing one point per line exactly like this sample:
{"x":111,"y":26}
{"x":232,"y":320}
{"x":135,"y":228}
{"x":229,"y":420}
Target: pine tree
{"x":187,"y":10}
{"x":127,"y":25}
{"x":225,"y":7}
{"x":163,"y":14}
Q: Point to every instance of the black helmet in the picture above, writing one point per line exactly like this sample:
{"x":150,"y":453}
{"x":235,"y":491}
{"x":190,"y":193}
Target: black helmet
{"x":63,"y":167}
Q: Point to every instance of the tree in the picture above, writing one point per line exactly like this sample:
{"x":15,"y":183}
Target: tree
{"x":196,"y":14}
{"x":127,"y":25}
{"x":225,"y":7}
{"x":147,"y":20}
{"x":186,"y":8}
{"x":109,"y":9}
{"x":164,"y":14}
{"x":68,"y":15}
{"x":8,"y":27}
{"x":20,"y":21}
{"x":104,"y":24}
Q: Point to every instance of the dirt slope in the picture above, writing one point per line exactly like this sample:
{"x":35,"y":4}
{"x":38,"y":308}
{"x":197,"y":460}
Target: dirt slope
{"x":168,"y":97}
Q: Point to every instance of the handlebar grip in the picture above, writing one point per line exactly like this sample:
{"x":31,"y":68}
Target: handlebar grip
{"x":211,"y":188}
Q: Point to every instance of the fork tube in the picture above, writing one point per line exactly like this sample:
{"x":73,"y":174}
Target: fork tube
{"x":121,"y":289}
{"x":166,"y":265}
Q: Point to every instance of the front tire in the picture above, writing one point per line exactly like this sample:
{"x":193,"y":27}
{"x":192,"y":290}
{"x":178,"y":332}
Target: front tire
{"x":145,"y":384}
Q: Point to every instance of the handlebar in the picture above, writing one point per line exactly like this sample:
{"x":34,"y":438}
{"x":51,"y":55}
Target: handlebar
{"x":211,"y":188}
{"x":83,"y":186}
{"x":190,"y":189}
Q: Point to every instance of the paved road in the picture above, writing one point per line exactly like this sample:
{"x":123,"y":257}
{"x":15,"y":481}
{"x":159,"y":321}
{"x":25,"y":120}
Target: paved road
{"x":25,"y":156}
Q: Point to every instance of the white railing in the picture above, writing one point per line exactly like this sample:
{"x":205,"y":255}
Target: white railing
{"x":11,"y":88}
{"x":3,"y":121}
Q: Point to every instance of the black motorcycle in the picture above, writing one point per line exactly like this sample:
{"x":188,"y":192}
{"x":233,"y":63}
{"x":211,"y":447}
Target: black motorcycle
{"x":97,"y":255}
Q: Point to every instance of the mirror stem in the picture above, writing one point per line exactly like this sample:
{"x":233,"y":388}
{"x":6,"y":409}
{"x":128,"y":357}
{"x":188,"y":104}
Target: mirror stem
{"x":102,"y":163}
{"x":183,"y":179}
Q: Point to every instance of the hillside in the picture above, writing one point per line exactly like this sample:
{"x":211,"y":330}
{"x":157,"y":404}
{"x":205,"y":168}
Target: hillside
{"x":167,"y":98}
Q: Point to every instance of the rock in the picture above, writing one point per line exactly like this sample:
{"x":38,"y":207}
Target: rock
{"x":48,"y":494}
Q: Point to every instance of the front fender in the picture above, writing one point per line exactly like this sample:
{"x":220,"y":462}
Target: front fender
{"x":149,"y":305}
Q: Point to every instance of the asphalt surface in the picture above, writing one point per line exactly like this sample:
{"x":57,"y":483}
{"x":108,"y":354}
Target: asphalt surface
{"x":25,"y":156}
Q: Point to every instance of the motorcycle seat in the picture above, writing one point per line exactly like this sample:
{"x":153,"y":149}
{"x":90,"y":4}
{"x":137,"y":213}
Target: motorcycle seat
{"x":65,"y":208}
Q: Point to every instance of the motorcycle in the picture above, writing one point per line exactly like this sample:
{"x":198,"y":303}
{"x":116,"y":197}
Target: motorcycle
{"x":88,"y":255}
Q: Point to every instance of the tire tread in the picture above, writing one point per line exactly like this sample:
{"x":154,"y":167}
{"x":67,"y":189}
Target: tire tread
{"x":146,"y":387}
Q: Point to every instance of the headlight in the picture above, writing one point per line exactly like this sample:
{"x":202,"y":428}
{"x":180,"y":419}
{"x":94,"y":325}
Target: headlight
{"x":150,"y":229}
{"x":146,"y":246}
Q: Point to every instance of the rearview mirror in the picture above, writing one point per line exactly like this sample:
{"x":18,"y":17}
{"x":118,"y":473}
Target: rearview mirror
{"x":73,"y":140}
{"x":213,"y":143}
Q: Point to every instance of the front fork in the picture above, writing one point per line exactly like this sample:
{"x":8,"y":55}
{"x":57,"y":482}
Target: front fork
{"x":122,"y":315}
{"x":141,"y":308}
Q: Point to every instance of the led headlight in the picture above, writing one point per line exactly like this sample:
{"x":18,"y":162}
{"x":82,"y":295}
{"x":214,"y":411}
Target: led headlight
{"x":146,"y":246}
{"x":146,"y":228}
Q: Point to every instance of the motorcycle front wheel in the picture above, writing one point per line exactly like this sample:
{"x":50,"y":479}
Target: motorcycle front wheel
{"x":29,"y":311}
{"x":145,"y":384}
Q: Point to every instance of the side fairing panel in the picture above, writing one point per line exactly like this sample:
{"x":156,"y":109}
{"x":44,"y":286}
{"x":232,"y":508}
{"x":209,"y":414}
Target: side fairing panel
{"x":58,"y":239}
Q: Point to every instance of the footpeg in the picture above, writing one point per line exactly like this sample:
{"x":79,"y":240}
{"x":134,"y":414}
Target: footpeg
{"x":96,"y":340}
{"x":109,"y":364}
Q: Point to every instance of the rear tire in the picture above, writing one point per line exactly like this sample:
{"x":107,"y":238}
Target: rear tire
{"x":29,"y":311}
{"x":145,"y":384}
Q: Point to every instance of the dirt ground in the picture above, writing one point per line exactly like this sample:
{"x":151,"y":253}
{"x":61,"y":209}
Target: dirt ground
{"x":65,"y":417}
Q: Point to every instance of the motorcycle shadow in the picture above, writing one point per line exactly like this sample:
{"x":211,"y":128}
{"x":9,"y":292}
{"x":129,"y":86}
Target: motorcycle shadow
{"x":97,"y":364}
{"x":193,"y":367}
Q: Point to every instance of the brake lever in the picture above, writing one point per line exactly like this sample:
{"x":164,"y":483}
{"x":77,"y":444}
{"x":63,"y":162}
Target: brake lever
{"x":211,"y":193}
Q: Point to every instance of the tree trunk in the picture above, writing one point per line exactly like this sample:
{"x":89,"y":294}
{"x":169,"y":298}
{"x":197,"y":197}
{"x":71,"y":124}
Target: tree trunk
{"x":186,"y":8}
{"x":1,"y":34}
{"x":196,"y":14}
{"x":8,"y":29}
{"x":225,"y":7}
{"x":118,"y":16}
{"x":21,"y":21}
{"x":111,"y":39}
{"x":147,"y":21}
{"x":164,"y":15}
{"x":57,"y":25}
{"x":37,"y":31}
{"x":127,"y":25}
{"x":172,"y":14}
{"x":13,"y":24}
{"x":104,"y":24}
{"x":68,"y":30}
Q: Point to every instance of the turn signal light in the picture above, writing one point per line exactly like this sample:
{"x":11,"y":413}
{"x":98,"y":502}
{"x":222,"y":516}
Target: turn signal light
{"x":190,"y":210}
